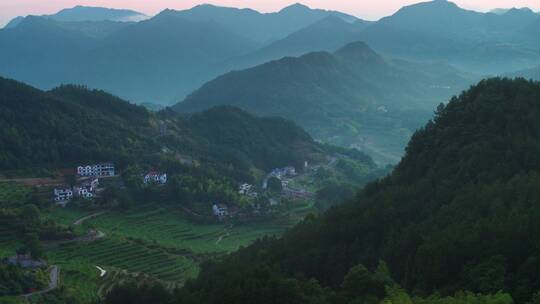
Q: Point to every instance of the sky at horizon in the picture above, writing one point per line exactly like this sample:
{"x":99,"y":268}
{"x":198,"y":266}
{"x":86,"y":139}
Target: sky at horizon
{"x":366,"y":9}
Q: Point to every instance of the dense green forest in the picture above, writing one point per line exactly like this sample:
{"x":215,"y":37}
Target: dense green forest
{"x":66,"y":126}
{"x":459,"y":213}
{"x":72,"y":125}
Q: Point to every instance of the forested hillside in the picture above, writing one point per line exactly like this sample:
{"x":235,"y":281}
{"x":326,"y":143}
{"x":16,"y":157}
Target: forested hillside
{"x":460,"y":212}
{"x":50,"y":128}
{"x":71,"y":125}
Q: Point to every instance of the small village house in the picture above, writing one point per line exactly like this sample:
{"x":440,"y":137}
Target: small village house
{"x":83,"y":192}
{"x":63,"y":194}
{"x":155,"y":177}
{"x":247,"y":190}
{"x":283,"y":172}
{"x":85,"y":189}
{"x":98,"y":170}
{"x":220,"y":210}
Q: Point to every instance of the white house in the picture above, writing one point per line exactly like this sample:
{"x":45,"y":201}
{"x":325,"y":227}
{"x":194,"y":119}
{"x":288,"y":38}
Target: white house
{"x":100,"y":170}
{"x":155,"y":177}
{"x":90,"y":184}
{"x":283,"y":172}
{"x":84,"y":192}
{"x":247,"y":190}
{"x":220,"y":210}
{"x":63,"y":194}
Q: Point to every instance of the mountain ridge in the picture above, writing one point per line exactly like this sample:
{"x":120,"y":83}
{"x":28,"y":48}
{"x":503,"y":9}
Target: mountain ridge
{"x":87,"y":13}
{"x":351,"y":93}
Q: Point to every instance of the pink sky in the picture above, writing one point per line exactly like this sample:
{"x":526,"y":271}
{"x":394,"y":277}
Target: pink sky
{"x":368,"y":9}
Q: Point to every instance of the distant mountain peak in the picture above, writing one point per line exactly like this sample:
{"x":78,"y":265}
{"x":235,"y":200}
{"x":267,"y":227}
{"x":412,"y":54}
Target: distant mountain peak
{"x":359,"y":51}
{"x":205,"y":6}
{"x":297,"y":7}
{"x":519,"y":11}
{"x":434,"y":5}
{"x":513,"y":10}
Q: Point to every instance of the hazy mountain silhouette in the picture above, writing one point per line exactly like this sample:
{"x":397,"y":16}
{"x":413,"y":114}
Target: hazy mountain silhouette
{"x":87,"y":13}
{"x":353,"y":96}
{"x":446,"y":19}
{"x":258,"y":26}
{"x":440,"y":30}
{"x":160,"y":59}
{"x":327,"y":34}
{"x":163,"y":59}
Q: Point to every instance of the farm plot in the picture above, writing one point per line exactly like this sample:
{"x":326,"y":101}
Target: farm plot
{"x":129,"y":256}
{"x":169,"y":228}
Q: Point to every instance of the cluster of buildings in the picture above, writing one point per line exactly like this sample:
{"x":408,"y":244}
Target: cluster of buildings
{"x":248,"y":190}
{"x":97,"y":170}
{"x":154,"y":177}
{"x":283,"y":172}
{"x":279,"y":173}
{"x":86,"y":189}
{"x":87,"y":182}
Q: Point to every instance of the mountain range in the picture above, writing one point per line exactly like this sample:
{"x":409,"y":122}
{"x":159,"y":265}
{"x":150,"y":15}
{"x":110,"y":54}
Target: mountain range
{"x":353,"y":96}
{"x":159,"y":60}
{"x":182,"y":50}
{"x":86,"y":13}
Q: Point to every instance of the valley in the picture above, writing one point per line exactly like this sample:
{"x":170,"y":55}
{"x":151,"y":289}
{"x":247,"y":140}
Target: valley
{"x":294,"y":155}
{"x":189,"y":190}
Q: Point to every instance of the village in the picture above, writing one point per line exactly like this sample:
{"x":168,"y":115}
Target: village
{"x":87,"y":186}
{"x":87,"y":182}
{"x":267,"y":198}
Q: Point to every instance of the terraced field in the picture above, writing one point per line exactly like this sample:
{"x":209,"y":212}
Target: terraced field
{"x":156,"y":242}
{"x":127,"y":255}
{"x":169,"y":228}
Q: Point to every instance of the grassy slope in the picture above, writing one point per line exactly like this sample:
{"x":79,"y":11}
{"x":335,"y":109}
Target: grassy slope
{"x":160,"y":243}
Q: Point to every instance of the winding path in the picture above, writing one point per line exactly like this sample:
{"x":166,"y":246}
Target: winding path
{"x":226,"y":234}
{"x":53,"y":282}
{"x":82,"y":219}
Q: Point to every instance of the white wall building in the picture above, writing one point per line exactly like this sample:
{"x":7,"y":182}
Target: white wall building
{"x":84,"y":192}
{"x":63,"y":194}
{"x":247,"y":190}
{"x":99,"y":170}
{"x":220,"y":211}
{"x":155,"y":177}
